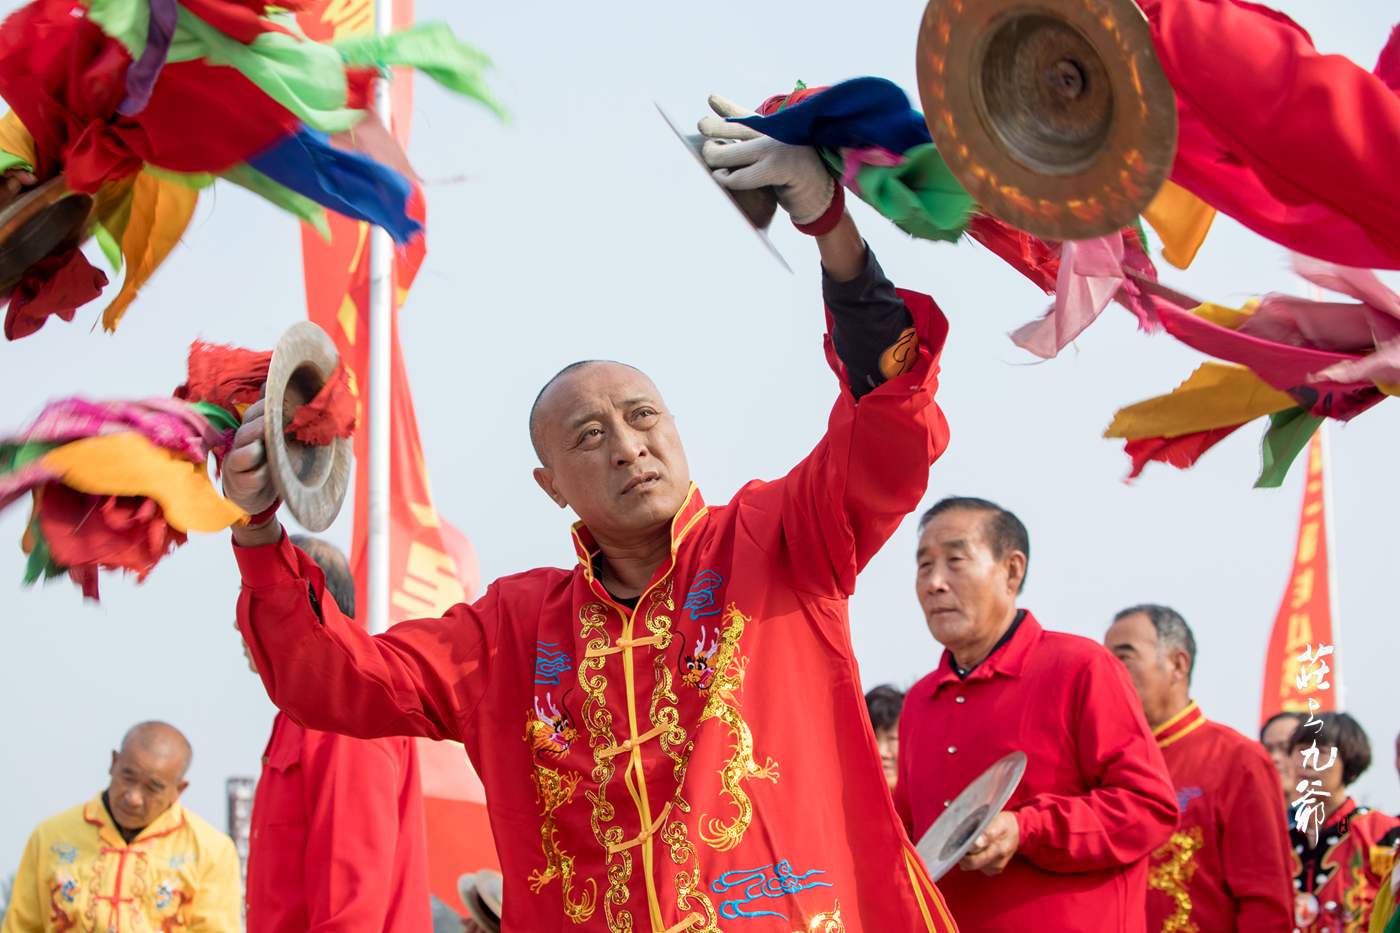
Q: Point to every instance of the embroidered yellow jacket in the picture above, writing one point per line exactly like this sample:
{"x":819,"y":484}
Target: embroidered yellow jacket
{"x":179,"y":876}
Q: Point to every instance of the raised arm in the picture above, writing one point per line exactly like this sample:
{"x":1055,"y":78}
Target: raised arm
{"x":424,"y":677}
{"x":1130,"y":807}
{"x":840,"y":505}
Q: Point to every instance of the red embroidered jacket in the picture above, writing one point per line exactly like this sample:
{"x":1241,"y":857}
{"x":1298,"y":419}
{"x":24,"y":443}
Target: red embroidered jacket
{"x":1336,"y":881}
{"x":702,"y":760}
{"x":338,"y":843}
{"x":1225,"y":867}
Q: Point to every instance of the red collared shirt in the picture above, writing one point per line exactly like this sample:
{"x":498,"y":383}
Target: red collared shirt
{"x":702,"y":762}
{"x":338,"y":841}
{"x":1226,"y":866}
{"x":1094,"y":801}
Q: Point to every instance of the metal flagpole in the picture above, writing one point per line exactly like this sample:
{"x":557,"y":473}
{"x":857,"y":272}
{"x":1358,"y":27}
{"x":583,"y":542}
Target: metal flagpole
{"x":1325,"y":447}
{"x":1332,"y":594}
{"x":381,"y":309}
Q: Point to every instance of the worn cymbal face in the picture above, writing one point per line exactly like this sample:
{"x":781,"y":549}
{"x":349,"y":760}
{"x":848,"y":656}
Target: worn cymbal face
{"x":967,"y":817}
{"x":44,"y":221}
{"x":1055,"y":115}
{"x":312,"y":478}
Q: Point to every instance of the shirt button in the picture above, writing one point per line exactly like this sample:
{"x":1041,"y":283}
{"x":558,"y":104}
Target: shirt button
{"x":265,"y":757}
{"x":962,"y":699}
{"x":947,"y":803}
{"x":952,"y":749}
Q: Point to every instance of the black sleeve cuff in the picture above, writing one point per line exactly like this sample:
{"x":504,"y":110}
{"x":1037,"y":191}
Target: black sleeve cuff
{"x":868,"y":318}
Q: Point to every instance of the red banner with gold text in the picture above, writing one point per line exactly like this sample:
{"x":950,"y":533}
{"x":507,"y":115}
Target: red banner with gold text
{"x":1305,"y":615}
{"x":431,"y":564}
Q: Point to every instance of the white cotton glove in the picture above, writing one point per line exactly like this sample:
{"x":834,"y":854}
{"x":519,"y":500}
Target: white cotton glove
{"x":744,"y":159}
{"x":247,"y":477}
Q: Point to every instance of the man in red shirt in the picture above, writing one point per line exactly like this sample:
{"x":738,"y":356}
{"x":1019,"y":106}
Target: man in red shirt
{"x":337,"y":841}
{"x":1226,"y":867}
{"x":1070,"y":850}
{"x":671,"y":734}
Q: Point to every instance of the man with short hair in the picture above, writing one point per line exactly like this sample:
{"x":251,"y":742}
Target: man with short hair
{"x":131,"y":858}
{"x":671,"y":734}
{"x":1070,"y":850}
{"x":1225,"y":867}
{"x":338,"y":841}
{"x":884,"y":703}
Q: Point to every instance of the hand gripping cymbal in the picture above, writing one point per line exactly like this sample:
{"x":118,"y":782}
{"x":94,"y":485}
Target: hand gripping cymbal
{"x":952,"y":834}
{"x":1055,"y":115}
{"x":311,"y":479}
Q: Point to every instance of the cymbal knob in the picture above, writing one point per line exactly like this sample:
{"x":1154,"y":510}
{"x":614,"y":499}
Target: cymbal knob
{"x":1055,"y":115}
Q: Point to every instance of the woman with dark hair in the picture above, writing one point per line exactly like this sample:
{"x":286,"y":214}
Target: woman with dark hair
{"x":1337,"y":879}
{"x":884,"y":703}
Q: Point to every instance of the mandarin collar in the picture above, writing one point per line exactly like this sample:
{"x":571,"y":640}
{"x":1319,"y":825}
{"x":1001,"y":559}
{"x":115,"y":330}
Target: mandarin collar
{"x":692,"y":510}
{"x":1179,"y":726}
{"x":96,"y":814}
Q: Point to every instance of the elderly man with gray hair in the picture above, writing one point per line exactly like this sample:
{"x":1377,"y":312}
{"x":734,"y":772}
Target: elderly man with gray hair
{"x":1226,"y":867}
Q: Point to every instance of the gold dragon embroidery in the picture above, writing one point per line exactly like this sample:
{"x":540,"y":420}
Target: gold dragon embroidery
{"x":597,"y":718}
{"x":826,"y":922}
{"x":1171,"y":874}
{"x":552,"y":791}
{"x":1355,"y":914}
{"x":676,"y":744}
{"x":729,"y":676}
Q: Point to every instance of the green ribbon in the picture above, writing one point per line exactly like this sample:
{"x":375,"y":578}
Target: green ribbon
{"x":1289,"y":432}
{"x":921,"y":196}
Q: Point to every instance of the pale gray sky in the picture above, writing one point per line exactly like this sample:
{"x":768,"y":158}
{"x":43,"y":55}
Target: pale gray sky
{"x":585,"y":230}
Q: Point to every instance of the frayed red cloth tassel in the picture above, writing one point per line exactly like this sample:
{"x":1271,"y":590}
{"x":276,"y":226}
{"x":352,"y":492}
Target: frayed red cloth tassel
{"x":224,"y":375}
{"x":86,"y":532}
{"x":53,"y":285}
{"x":329,"y":415}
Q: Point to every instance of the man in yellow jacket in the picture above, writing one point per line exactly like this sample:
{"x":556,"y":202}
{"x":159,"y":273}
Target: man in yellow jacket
{"x":132,"y":860}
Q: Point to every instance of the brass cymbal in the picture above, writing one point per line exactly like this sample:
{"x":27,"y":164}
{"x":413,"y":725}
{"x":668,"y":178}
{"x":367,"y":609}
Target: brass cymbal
{"x":44,"y":221}
{"x":311,"y":479}
{"x":1054,"y":114}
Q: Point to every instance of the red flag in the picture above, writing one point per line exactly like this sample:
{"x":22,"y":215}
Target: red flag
{"x":1305,"y":615}
{"x":431,"y":564}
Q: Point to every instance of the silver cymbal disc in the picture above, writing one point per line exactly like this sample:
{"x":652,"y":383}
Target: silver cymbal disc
{"x":953,"y":833}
